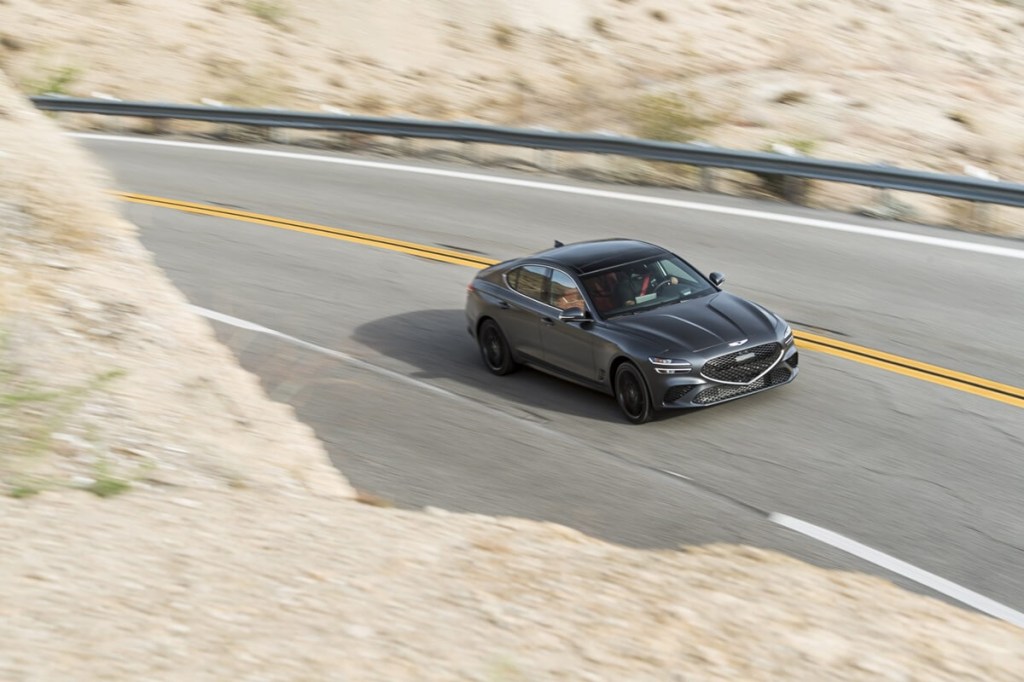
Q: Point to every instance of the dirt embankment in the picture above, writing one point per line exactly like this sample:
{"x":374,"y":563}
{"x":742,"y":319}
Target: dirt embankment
{"x":218,"y":544}
{"x":926,"y":84}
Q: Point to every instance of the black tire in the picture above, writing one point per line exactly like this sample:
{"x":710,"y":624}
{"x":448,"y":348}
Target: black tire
{"x":632,"y":395}
{"x":494,"y":349}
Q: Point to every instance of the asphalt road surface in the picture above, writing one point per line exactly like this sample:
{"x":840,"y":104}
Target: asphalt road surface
{"x":395,"y":388}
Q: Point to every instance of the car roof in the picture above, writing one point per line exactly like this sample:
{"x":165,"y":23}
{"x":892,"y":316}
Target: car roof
{"x":592,"y":256}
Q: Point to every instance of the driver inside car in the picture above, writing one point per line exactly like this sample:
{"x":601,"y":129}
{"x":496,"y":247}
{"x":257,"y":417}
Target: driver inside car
{"x":640,"y":281}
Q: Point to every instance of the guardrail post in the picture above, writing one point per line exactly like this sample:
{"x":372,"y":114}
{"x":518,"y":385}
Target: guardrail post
{"x":406,"y":147}
{"x":707,"y":179}
{"x":206,"y":101}
{"x":342,"y":139}
{"x":980,"y":214}
{"x":547,"y":160}
{"x":794,"y":189}
{"x":707,"y":173}
{"x":278,"y":135}
{"x":118,"y":120}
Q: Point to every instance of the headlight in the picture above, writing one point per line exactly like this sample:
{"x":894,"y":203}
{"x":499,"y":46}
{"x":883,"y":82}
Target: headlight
{"x":787,"y":336}
{"x":670,"y":365}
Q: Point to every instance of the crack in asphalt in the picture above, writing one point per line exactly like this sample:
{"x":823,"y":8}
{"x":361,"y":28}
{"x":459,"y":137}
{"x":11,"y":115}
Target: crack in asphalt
{"x":952,"y":493}
{"x":1004,"y":543}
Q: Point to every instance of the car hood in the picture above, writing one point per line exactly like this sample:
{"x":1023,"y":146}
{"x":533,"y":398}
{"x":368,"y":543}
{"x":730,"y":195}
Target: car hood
{"x":701,"y":323}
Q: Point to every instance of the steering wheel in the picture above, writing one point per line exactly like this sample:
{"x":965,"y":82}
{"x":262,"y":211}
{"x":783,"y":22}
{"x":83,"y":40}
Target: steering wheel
{"x":661,"y":285}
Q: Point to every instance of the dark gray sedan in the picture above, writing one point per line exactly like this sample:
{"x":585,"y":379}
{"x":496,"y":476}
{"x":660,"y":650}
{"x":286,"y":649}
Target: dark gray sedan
{"x":632,"y":320}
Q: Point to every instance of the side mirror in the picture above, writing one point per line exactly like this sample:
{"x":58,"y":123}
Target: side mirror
{"x":573,"y":315}
{"x":716,"y":278}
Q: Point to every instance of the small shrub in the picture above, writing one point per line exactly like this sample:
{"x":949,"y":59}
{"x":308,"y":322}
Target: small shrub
{"x":58,"y":82}
{"x":791,"y":97}
{"x":600,"y":27}
{"x":12,"y":43}
{"x":271,"y":11}
{"x":108,"y":486}
{"x":22,"y":491}
{"x":667,"y":117}
{"x":372,"y":103}
{"x":961,"y":118}
{"x":658,"y":15}
{"x":504,"y":35}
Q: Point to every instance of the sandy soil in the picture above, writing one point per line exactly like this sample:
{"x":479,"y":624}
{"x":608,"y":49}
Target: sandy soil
{"x":162,"y":520}
{"x":927,"y":84}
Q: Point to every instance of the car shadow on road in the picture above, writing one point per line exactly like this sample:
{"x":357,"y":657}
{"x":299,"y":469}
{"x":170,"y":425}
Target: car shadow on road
{"x":438,"y":345}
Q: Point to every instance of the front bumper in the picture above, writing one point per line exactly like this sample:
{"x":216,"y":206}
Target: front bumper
{"x":686,"y":391}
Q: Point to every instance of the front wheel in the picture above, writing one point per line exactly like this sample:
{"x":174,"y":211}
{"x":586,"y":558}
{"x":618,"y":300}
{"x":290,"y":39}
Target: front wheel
{"x":494,"y":349}
{"x":631,"y":394}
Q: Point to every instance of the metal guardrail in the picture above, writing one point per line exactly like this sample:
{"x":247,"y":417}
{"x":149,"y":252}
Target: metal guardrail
{"x":880,"y":176}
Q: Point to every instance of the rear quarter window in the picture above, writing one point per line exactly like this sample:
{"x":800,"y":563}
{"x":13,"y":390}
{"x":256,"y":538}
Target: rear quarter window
{"x":529,"y":280}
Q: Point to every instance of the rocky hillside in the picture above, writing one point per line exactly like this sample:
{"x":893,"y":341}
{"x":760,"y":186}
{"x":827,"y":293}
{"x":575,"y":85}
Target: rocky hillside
{"x":928,"y":84}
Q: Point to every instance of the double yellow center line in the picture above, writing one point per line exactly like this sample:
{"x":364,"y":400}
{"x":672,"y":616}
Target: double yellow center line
{"x":411,"y":248}
{"x":985,"y":388}
{"x":993,"y":390}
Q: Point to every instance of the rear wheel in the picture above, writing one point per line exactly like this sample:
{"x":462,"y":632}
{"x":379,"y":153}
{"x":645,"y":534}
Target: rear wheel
{"x":632,"y":395}
{"x":494,"y":349}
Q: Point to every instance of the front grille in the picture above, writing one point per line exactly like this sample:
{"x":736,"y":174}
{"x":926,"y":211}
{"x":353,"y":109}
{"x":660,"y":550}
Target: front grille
{"x":717,"y":394}
{"x":676,"y":392}
{"x":754,"y":361}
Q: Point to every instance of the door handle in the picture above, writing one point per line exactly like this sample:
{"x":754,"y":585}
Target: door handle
{"x":548,"y":321}
{"x":504,"y":305}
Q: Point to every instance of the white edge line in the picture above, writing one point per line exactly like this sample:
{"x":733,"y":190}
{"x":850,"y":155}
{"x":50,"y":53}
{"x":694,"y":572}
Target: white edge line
{"x":251,"y":326}
{"x":942,"y":242}
{"x":370,"y":367}
{"x":939,"y":584}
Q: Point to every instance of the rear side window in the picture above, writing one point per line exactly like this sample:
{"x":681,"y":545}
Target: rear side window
{"x":529,"y":280}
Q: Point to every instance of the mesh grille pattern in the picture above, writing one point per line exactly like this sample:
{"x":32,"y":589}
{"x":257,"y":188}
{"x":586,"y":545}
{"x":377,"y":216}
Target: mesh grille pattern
{"x":752,"y":361}
{"x":717,"y":394}
{"x":676,"y":392}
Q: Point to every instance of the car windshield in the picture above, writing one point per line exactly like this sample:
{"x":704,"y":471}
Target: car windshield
{"x":642,"y":285}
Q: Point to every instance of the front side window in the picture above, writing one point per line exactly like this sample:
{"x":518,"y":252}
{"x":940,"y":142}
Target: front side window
{"x":529,"y":280}
{"x":564,"y":293}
